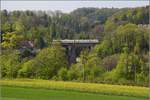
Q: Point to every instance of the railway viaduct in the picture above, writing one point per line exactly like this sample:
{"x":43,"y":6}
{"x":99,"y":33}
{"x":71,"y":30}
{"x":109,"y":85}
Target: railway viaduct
{"x":74,"y":47}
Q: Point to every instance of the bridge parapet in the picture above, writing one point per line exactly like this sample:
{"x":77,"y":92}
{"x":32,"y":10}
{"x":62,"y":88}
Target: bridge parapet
{"x":66,"y":41}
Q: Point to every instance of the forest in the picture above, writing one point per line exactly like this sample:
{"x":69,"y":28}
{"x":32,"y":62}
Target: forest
{"x":121,"y":57}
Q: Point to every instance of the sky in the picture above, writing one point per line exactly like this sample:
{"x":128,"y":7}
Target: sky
{"x":67,"y":6}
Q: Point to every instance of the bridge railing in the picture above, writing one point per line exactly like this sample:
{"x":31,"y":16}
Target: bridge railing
{"x":77,"y":41}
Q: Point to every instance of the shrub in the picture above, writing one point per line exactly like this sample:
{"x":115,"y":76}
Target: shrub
{"x":63,"y":74}
{"x":45,"y":65}
{"x":28,"y":70}
{"x":10,"y":64}
{"x":74,"y":73}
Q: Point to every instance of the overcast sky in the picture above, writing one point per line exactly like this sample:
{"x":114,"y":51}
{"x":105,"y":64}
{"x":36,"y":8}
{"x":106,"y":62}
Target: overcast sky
{"x":67,"y":6}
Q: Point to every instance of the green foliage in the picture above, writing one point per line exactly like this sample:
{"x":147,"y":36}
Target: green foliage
{"x":129,"y":35}
{"x":104,"y":49}
{"x":10,"y":64}
{"x":75,"y":73}
{"x":10,"y":40}
{"x":132,"y":36}
{"x":19,"y":27}
{"x":136,"y":15}
{"x":109,"y":26}
{"x":27,"y":70}
{"x":63,"y":74}
{"x":129,"y":68}
{"x":6,"y":27}
{"x":89,"y":67}
{"x":46,"y":64}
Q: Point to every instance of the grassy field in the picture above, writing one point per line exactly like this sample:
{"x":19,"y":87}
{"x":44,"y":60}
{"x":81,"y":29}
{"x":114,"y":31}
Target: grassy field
{"x":58,"y":90}
{"x":17,"y":93}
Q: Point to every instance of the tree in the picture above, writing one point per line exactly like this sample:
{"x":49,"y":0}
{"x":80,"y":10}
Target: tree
{"x":10,"y":40}
{"x":104,"y":49}
{"x":132,"y":36}
{"x":109,"y":26}
{"x":10,"y":64}
{"x":47,"y":63}
{"x":6,"y":27}
{"x":19,"y":27}
{"x":84,"y":59}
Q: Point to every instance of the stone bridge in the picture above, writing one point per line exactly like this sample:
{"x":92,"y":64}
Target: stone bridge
{"x":74,"y":47}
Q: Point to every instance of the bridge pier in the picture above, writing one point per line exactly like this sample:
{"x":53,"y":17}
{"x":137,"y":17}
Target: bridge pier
{"x":71,"y":54}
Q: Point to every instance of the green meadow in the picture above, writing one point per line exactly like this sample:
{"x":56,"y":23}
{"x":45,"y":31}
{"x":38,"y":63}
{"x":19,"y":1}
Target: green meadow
{"x":58,"y":90}
{"x":17,"y":93}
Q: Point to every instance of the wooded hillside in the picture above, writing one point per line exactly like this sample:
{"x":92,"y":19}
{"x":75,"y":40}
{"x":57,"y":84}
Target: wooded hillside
{"x":121,"y":57}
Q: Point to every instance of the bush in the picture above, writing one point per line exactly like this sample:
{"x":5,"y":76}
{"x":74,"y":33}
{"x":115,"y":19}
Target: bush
{"x":55,"y":78}
{"x":62,"y":74}
{"x":45,"y":65}
{"x":10,"y":64}
{"x":142,"y":79}
{"x":74,"y":73}
{"x":28,"y":70}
